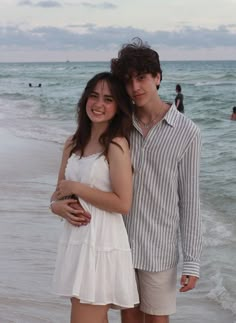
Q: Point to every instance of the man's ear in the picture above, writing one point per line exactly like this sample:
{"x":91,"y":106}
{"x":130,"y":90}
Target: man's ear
{"x":158,"y":79}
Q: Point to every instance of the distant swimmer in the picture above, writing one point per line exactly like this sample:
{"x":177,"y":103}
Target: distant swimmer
{"x":39,"y":85}
{"x":179,"y":99}
{"x":233,"y":115}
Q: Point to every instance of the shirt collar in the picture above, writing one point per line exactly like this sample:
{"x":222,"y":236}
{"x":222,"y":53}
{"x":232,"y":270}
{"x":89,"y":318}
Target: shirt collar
{"x":171,"y":116}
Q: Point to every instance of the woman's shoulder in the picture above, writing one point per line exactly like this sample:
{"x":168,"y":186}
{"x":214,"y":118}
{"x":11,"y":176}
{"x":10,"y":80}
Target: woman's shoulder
{"x":118,"y":146}
{"x":68,"y":143}
{"x":120,"y":141}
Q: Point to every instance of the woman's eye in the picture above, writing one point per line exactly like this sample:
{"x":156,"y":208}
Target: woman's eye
{"x":108,"y":100}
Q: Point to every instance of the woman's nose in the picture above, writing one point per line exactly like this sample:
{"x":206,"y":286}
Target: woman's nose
{"x":99,"y":101}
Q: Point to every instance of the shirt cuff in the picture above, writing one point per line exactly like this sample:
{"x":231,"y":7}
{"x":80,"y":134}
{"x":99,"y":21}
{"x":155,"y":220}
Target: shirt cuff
{"x":191,"y":268}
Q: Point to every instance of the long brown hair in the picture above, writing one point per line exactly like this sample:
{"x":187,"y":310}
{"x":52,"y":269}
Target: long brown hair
{"x":119,"y":126}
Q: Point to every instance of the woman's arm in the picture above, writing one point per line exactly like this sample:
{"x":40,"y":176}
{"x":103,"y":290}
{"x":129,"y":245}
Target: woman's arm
{"x":68,"y":209}
{"x":65,"y":156}
{"x":119,"y":200}
{"x":61,"y":174}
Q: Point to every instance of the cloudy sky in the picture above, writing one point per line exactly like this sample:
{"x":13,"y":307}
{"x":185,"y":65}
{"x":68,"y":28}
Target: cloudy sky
{"x":93,"y":30}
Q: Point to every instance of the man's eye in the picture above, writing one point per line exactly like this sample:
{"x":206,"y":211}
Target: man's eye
{"x":141,"y":77}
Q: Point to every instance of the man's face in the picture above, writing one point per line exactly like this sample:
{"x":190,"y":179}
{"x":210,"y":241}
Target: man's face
{"x":142,"y":88}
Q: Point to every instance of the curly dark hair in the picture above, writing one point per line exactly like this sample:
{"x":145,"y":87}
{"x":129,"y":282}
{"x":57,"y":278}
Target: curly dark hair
{"x":136,"y":57}
{"x":119,"y":126}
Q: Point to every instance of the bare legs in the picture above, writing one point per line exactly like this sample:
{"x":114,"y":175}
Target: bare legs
{"x":86,"y":313}
{"x":156,"y":319}
{"x":134,"y":315}
{"x":106,"y":320}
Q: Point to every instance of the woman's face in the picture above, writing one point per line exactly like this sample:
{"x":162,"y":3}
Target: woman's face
{"x":101,"y":106}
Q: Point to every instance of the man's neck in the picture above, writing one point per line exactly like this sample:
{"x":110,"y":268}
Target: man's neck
{"x":155,"y":112}
{"x":148,"y":118}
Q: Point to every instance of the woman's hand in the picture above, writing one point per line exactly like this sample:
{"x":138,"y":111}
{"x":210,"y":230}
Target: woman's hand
{"x":72,"y":211}
{"x":65,"y":188}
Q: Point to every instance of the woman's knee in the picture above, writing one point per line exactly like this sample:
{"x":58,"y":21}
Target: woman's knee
{"x":87,"y":313}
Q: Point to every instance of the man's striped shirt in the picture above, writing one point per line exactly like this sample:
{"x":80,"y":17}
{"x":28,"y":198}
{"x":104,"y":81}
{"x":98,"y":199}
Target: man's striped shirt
{"x":166,"y":195}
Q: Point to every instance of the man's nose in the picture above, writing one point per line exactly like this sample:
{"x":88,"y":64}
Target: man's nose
{"x":134,"y":84}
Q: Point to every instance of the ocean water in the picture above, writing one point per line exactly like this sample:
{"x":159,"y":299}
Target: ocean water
{"x":46,"y":115}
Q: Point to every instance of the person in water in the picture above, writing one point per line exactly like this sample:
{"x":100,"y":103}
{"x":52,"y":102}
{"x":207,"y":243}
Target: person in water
{"x":179,"y":99}
{"x":39,"y":85}
{"x":233,"y":115}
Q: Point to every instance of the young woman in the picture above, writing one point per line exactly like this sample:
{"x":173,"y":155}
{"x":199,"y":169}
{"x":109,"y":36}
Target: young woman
{"x":94,"y":266}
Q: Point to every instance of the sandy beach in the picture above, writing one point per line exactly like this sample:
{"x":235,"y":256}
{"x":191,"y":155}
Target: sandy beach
{"x":28,"y":241}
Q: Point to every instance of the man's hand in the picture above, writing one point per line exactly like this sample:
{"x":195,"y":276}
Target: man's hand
{"x":72,"y":211}
{"x":84,"y":216}
{"x":65,"y":187}
{"x":188,"y":283}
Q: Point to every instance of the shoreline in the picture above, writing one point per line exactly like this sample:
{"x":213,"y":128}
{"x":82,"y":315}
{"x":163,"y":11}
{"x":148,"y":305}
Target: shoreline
{"x":19,"y":155}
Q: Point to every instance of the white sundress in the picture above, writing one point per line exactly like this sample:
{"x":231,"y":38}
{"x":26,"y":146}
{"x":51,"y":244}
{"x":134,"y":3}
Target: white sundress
{"x":94,"y":261}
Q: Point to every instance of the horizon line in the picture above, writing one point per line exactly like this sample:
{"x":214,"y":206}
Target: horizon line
{"x":107,"y":61}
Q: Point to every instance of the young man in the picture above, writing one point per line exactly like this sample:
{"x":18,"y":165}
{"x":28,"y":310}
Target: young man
{"x":165,"y":148}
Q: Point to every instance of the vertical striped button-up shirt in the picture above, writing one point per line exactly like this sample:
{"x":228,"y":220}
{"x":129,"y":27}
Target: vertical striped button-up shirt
{"x":166,"y":195}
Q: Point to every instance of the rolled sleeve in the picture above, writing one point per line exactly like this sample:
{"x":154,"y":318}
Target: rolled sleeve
{"x":191,"y":269}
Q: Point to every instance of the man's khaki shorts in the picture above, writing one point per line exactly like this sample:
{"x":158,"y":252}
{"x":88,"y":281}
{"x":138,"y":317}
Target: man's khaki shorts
{"x":157,"y":291}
